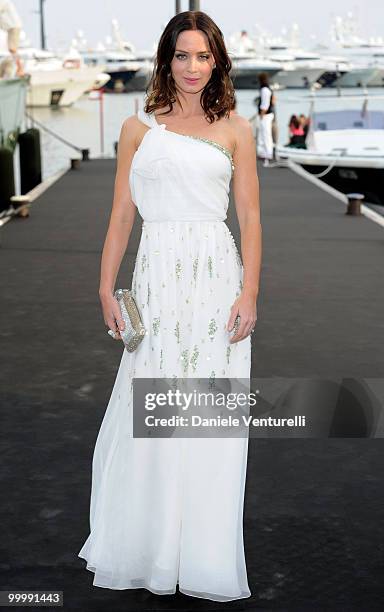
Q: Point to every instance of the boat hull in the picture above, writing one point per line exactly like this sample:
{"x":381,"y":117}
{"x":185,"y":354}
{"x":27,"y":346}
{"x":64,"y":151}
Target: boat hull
{"x":347,"y":179}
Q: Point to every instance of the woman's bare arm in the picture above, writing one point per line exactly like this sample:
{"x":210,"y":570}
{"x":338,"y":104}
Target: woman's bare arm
{"x":120,"y":226}
{"x":123,"y":210}
{"x":246,"y":195}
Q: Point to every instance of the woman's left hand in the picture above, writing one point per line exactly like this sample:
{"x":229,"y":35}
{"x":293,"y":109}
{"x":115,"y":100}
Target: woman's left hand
{"x":244,"y":307}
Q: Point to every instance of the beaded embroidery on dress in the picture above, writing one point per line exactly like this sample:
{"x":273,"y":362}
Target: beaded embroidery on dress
{"x":168,"y":511}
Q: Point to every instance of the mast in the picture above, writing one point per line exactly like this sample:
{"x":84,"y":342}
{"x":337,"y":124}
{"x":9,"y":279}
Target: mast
{"x":42,"y":26}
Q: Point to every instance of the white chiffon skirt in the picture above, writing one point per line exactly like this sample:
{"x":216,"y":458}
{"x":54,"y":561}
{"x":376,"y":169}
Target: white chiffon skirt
{"x":168,"y":511}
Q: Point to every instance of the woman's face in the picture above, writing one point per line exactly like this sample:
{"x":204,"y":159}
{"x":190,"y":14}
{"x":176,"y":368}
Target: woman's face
{"x":192,"y":63}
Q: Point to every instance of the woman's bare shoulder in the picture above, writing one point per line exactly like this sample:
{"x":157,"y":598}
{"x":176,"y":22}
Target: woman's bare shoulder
{"x":241,"y":125}
{"x":131,"y":122}
{"x":241,"y":129}
{"x":132,"y":130}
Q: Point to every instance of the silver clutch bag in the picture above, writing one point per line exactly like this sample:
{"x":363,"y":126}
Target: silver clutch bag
{"x":134,"y":330}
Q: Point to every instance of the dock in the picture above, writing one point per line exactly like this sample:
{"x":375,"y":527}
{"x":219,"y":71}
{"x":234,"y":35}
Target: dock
{"x":314,"y":508}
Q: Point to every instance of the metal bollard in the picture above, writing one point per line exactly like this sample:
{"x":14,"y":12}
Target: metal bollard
{"x":75,"y":163}
{"x":30,"y":159}
{"x":85,"y":154}
{"x":354,"y":203}
{"x":21,"y":204}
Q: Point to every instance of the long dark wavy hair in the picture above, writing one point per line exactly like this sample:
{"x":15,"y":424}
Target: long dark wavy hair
{"x":218,"y":96}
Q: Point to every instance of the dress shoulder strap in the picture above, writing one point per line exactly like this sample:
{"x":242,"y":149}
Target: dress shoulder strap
{"x":145,"y":117}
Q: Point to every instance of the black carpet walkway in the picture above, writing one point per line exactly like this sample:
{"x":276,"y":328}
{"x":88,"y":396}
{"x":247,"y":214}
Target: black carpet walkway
{"x":314,"y":512}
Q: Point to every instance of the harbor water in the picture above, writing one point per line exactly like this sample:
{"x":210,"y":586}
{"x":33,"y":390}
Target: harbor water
{"x":80,"y":124}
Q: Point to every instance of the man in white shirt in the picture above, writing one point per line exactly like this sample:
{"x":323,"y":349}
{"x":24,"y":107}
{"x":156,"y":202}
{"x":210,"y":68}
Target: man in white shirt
{"x":266,"y":115}
{"x":11,"y":23}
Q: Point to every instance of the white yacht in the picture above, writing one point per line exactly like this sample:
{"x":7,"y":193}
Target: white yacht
{"x":55,"y":80}
{"x":299,"y":68}
{"x":246,"y":68}
{"x":248,"y":62}
{"x":344,"y":145}
{"x":58,"y":81}
{"x":364,"y":54}
{"x":118,"y":57}
{"x":357,"y":76}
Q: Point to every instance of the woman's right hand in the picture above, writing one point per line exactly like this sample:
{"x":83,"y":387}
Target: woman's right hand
{"x":112,"y":313}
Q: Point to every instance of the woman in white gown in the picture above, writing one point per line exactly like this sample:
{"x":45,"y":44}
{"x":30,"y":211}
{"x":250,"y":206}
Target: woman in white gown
{"x":168,"y":511}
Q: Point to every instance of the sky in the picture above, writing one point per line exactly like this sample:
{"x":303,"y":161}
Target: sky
{"x":142,"y":22}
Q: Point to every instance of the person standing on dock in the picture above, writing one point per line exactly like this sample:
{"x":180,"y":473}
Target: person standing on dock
{"x":266,"y":105}
{"x":11,"y":23}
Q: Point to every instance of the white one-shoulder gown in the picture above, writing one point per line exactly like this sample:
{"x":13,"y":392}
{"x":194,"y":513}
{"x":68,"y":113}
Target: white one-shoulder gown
{"x":170,"y":510}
